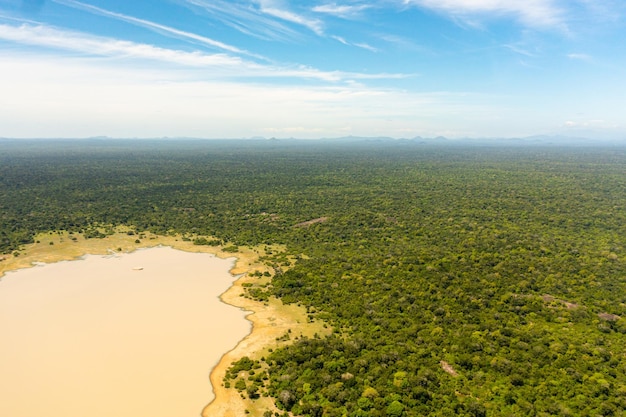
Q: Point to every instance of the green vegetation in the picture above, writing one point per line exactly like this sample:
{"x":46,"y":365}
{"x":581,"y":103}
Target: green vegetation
{"x":459,"y":281}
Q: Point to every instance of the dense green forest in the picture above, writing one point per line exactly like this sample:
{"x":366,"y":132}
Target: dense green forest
{"x":459,"y":280}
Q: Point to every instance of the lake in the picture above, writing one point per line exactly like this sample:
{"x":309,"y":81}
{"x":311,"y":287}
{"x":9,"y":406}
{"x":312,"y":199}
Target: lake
{"x":125,"y":335}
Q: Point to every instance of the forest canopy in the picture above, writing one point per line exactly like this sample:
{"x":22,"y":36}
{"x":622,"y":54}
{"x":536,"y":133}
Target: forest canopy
{"x":459,"y":280}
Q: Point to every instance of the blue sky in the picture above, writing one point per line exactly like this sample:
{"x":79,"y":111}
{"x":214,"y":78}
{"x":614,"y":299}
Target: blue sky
{"x":309,"y":69}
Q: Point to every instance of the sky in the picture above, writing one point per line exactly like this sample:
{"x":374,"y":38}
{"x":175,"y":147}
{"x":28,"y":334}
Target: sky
{"x":312,"y":69}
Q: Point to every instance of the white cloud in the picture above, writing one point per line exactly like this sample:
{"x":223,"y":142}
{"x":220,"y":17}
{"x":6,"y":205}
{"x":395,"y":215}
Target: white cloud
{"x":535,"y":13}
{"x":343,"y":11}
{"x":244,"y":19}
{"x":519,"y":50}
{"x":580,"y":57}
{"x":154,"y":26}
{"x":274,"y":8}
{"x":401,"y":42}
{"x":205,"y":65}
{"x":597,"y":123}
{"x":340,"y":40}
{"x":367,"y":47}
{"x":595,"y":129}
{"x":54,"y":96}
{"x":358,"y":45}
{"x":45,"y":36}
{"x":62,"y":97}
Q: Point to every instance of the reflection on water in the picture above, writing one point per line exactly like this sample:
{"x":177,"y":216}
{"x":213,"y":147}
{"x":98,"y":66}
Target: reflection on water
{"x":132,"y":335}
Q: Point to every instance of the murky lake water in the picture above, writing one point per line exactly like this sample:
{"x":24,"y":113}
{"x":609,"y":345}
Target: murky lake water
{"x":130,"y":335}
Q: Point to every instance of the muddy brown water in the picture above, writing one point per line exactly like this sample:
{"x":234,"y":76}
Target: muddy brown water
{"x":125,"y":335}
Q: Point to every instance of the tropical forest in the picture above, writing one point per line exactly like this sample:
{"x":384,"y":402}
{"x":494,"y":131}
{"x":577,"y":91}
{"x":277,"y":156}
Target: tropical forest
{"x":458,"y":279}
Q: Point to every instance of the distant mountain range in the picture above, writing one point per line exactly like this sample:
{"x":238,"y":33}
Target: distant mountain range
{"x":527,"y":140}
{"x":546,"y":140}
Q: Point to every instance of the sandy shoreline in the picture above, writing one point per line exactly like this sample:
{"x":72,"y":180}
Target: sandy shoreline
{"x":269,"y":320}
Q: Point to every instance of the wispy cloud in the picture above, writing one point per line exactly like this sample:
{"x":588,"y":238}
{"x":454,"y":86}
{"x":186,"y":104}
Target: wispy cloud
{"x":401,"y":42}
{"x":367,"y":47}
{"x":534,"y":13}
{"x":357,"y":44}
{"x":243,"y":18}
{"x":276,"y":9}
{"x":343,"y":11}
{"x":519,"y":50}
{"x":580,"y":57}
{"x":223,"y":65}
{"x":45,"y":36}
{"x":154,"y":26}
{"x":340,"y":40}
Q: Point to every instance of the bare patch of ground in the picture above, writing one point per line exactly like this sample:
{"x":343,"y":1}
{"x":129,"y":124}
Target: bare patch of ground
{"x":551,"y":299}
{"x":313,"y":221}
{"x":448,"y":368}
{"x":608,"y":316}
